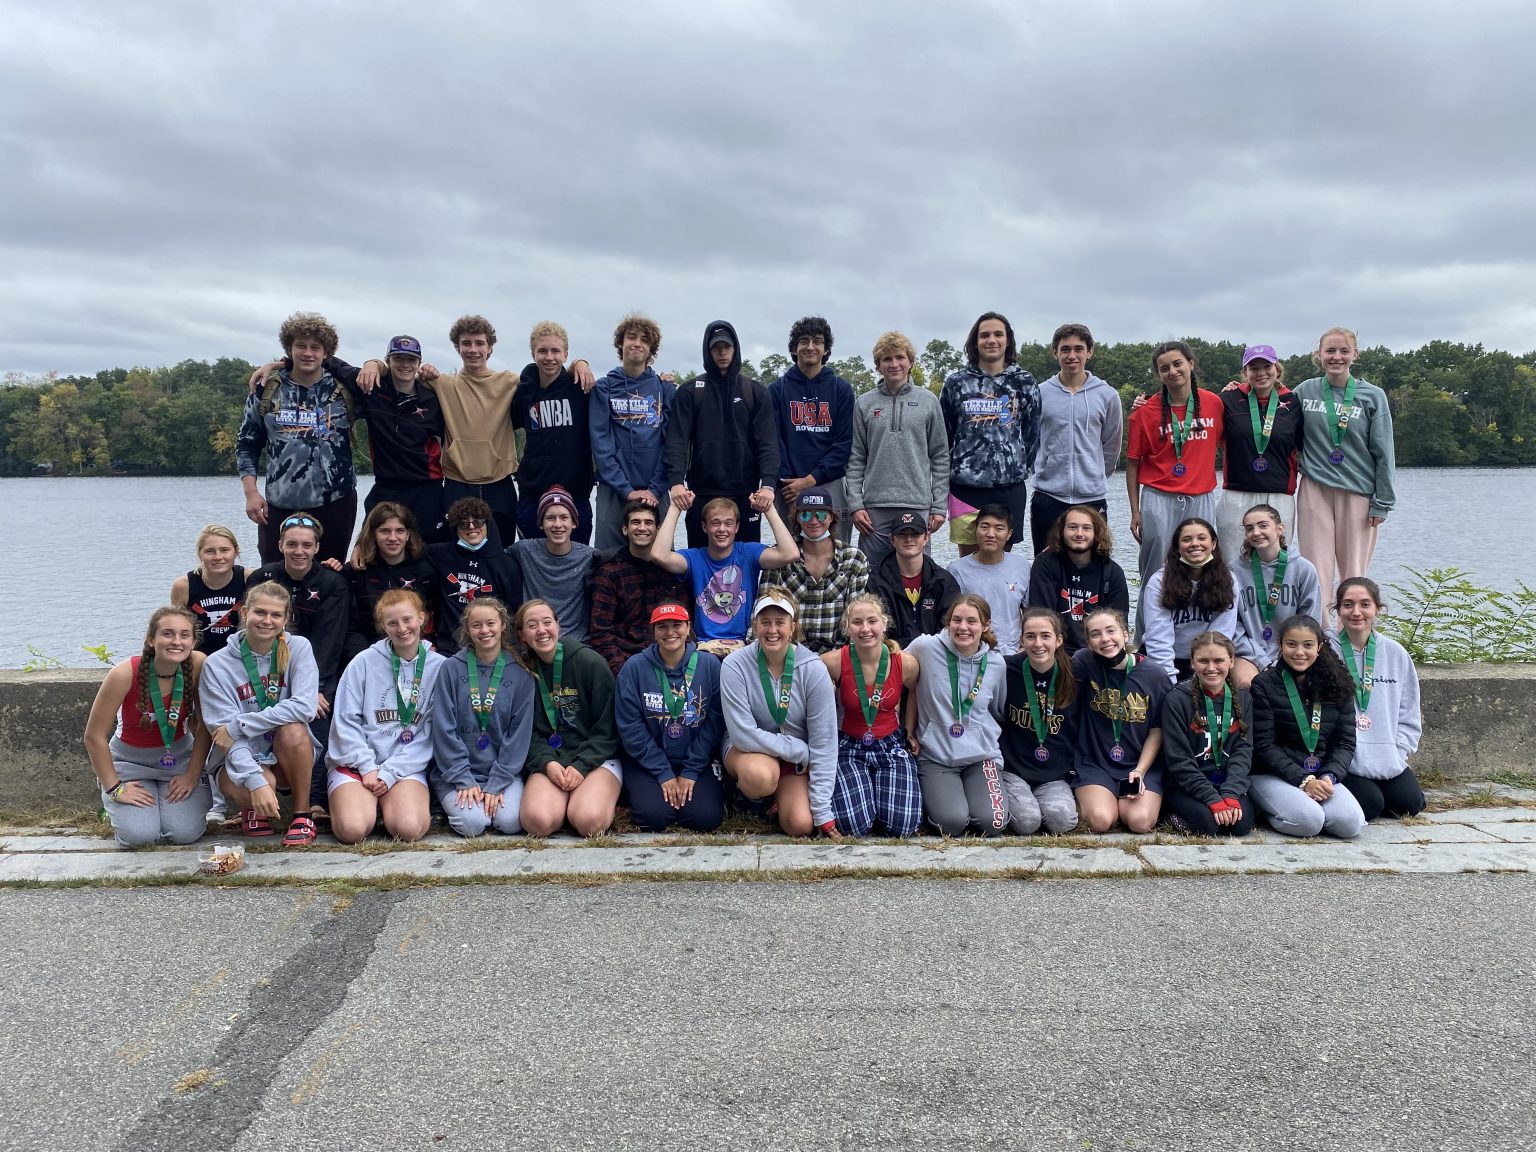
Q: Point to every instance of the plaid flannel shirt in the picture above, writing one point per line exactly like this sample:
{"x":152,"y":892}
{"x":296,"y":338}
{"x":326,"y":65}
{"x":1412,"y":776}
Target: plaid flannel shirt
{"x":822,"y":601}
{"x":624,"y":590}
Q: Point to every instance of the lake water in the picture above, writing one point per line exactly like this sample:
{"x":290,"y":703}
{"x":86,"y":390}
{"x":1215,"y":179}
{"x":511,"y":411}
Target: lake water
{"x":89,"y":559}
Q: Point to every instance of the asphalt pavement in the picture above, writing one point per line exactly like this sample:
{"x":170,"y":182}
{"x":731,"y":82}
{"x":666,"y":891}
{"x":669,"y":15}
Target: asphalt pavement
{"x":1301,"y":1012}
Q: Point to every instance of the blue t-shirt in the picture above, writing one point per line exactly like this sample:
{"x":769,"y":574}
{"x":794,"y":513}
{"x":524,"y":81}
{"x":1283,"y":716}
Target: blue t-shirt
{"x":723,"y":590}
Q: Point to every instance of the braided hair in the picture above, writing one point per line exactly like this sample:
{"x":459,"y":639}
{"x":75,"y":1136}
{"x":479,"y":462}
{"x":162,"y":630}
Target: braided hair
{"x":147,"y":659}
{"x":1188,"y":353}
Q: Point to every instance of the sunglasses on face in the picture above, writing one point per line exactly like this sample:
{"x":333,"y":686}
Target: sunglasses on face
{"x":472,"y":523}
{"x":807,"y":516}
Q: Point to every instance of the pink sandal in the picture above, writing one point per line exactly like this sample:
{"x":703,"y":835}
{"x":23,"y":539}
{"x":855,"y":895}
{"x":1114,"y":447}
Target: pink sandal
{"x":301,"y":833}
{"x":253,"y":825}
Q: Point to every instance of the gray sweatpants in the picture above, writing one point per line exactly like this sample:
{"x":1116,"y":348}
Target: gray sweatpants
{"x":1161,"y":513}
{"x":1052,"y":804}
{"x":955,"y":799}
{"x":472,"y":822}
{"x":1291,"y":812}
{"x":180,"y":822}
{"x":608,"y":523}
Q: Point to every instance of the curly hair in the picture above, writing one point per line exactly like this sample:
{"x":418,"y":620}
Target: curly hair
{"x":1209,"y":588}
{"x":368,"y":547}
{"x":891,"y":343}
{"x":648,"y":329}
{"x":811,"y":326}
{"x":188,"y":668}
{"x":1328,"y":677}
{"x":508,"y":633}
{"x":472,"y":326}
{"x":1066,"y":683}
{"x":468,"y":508}
{"x":308,"y":326}
{"x":1103,"y":538}
{"x":973,"y":353}
{"x":548,"y":328}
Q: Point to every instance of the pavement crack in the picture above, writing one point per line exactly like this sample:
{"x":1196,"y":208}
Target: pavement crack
{"x":284,"y":1011}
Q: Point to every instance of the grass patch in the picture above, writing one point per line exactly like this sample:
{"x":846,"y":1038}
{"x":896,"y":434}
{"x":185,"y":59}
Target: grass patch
{"x":192,"y":1081}
{"x":1483,"y":796}
{"x":79,"y":819}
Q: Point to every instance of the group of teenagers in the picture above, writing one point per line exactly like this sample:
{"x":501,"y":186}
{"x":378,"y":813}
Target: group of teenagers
{"x":475,"y":653}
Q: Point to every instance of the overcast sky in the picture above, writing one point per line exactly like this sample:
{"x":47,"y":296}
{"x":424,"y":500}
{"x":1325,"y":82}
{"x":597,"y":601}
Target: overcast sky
{"x":182,"y":175}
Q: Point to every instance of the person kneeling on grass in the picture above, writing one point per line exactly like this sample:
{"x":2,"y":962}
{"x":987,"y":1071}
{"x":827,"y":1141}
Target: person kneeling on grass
{"x":1039,"y":731}
{"x":1387,"y":719}
{"x":669,"y":718}
{"x":572,"y":766}
{"x":259,"y":695}
{"x":876,"y":774}
{"x":1206,"y":744}
{"x":145,"y":742}
{"x":1118,"y":766}
{"x":482,"y":721}
{"x":781,"y":719}
{"x":1304,"y":737}
{"x":381,"y":733}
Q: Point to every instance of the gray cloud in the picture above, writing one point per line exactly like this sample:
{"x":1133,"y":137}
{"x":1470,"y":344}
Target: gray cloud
{"x":184,"y":175}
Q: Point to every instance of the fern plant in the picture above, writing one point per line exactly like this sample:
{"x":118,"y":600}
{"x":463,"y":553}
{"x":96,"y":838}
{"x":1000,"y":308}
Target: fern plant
{"x":1441,"y":617}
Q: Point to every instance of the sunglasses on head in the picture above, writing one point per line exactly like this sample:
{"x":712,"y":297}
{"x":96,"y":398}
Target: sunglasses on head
{"x":299,"y":522}
{"x":808,"y":515}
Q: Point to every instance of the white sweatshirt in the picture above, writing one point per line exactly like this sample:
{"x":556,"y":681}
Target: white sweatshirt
{"x":1382,"y":750}
{"x":228,"y":699}
{"x":365,"y":722}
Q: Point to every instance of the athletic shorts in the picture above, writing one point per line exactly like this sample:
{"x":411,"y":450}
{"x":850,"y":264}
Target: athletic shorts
{"x":336,"y":777}
{"x":1093,"y":774}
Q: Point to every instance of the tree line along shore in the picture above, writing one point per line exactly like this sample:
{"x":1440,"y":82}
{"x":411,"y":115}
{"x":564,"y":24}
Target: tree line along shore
{"x":1453,"y":405}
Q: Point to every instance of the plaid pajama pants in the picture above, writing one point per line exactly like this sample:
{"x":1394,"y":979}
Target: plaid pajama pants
{"x":877,"y":783}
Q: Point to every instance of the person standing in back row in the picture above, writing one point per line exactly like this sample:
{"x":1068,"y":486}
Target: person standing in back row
{"x":900,"y":456}
{"x":813,"y":412}
{"x":554,"y":410}
{"x":720,"y":440}
{"x":1079,"y":445}
{"x":630,"y":409}
{"x":992,"y":420}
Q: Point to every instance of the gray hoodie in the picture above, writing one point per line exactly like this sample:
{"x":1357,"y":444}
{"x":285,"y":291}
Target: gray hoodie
{"x":1079,"y":440}
{"x":1370,"y":461}
{"x":809,"y":735}
{"x":1299,"y":596}
{"x":365,"y":723}
{"x":228,"y":699}
{"x":1382,"y":750}
{"x":900,"y":455}
{"x":982,"y":739}
{"x":458,"y":759}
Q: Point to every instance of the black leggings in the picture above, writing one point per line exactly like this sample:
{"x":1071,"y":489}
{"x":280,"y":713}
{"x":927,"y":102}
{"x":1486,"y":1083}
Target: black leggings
{"x":1198,"y":816}
{"x":1399,"y":796}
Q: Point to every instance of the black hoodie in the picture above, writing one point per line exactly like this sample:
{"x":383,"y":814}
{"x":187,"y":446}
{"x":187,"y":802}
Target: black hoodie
{"x":720,"y":434}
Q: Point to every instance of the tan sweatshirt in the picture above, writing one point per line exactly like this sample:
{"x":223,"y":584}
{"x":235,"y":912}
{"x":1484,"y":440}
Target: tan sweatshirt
{"x":477,"y":418}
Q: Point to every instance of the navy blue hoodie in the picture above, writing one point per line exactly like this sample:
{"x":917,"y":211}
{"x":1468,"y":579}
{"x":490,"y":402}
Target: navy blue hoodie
{"x":815,"y":423}
{"x":640,"y":708}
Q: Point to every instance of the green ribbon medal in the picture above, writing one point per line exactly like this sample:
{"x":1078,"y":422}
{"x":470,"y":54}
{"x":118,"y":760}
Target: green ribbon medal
{"x":1179,"y":430}
{"x":778,"y":702}
{"x":1218,"y":734}
{"x":1364,"y":676}
{"x":546,"y":695}
{"x":1338,"y":417}
{"x":1310,"y":729}
{"x":677,"y":701}
{"x":1117,"y":749}
{"x":869,"y":702}
{"x":962,"y":708}
{"x":1040,"y":712}
{"x":165,"y":719}
{"x":484,"y":705}
{"x":1271,"y":599}
{"x":258,"y":683}
{"x":405,"y":704}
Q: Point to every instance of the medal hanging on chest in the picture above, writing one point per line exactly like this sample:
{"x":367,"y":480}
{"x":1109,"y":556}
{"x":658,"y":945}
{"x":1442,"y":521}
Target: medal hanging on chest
{"x":869,"y":702}
{"x":406,"y":702}
{"x":1267,"y":599}
{"x":167,"y":718}
{"x":1262,"y":431}
{"x":1310,"y":729}
{"x":1179,"y":430}
{"x":1217,"y":727}
{"x":778,"y":700}
{"x":484,"y":705}
{"x":1041,"y":717}
{"x":676,"y":702}
{"x":1338,"y":417}
{"x":1364,"y":676}
{"x":961,"y":709}
{"x":547,"y":695}
{"x":1117,"y":749}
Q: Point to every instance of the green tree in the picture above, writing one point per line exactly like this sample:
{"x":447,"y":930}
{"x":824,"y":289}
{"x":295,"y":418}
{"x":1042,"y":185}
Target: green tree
{"x":939,"y":359}
{"x":62,"y":434}
{"x":772,"y":366}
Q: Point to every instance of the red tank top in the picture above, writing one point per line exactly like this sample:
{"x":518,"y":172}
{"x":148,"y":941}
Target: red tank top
{"x":138,"y":728}
{"x":853,"y":710}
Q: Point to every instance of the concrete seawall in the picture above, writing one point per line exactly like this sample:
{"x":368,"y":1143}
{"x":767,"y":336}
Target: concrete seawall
{"x":1478,"y":721}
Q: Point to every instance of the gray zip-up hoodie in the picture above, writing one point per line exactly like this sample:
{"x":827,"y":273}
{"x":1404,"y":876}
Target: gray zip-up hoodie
{"x":227,"y":699}
{"x":1299,"y":596}
{"x":809,"y":735}
{"x":458,"y":759}
{"x":982,"y":739}
{"x":1079,"y":440}
{"x":1382,"y":750}
{"x":900,"y":455}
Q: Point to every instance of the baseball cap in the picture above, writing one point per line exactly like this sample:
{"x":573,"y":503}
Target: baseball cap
{"x":669,"y":612}
{"x":910,"y":520}
{"x":774,"y":598}
{"x":404,"y":346}
{"x":1259,"y":352}
{"x":814,"y":497}
{"x":721,"y":336}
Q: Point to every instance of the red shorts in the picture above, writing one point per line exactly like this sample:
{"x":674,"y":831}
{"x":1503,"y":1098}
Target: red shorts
{"x":788,"y":769}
